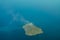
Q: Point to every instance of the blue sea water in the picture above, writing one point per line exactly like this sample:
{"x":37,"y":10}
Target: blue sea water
{"x":43,"y":13}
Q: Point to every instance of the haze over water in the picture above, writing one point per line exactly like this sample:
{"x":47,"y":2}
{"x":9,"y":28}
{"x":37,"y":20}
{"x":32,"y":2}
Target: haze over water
{"x":43,"y":13}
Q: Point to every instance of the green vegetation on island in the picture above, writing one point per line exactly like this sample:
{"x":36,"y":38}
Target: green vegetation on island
{"x":31,"y":30}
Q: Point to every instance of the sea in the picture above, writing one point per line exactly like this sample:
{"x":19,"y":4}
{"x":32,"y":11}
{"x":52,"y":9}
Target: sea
{"x":14,"y":14}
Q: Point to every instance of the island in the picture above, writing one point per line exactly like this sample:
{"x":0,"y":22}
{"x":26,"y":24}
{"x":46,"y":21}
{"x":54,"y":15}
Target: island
{"x":31,"y":30}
